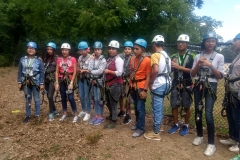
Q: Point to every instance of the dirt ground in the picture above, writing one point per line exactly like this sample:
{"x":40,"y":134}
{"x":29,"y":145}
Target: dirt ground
{"x":81,"y":141}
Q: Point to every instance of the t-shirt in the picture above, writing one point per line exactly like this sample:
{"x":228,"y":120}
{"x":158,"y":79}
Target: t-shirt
{"x":189,"y":63}
{"x":218,"y":63}
{"x":159,"y":59}
{"x":70,"y":65}
{"x":235,"y":87}
{"x":142,"y":71}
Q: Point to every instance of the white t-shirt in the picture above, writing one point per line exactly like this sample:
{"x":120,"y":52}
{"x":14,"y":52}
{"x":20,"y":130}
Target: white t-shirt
{"x":218,"y":63}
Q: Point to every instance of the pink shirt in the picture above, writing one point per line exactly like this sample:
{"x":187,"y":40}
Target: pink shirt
{"x":69,"y":65}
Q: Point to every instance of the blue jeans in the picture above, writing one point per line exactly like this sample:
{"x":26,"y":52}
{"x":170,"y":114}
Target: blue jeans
{"x":64,"y":97}
{"x":97,"y":97}
{"x":139,"y":107}
{"x":84,"y":95}
{"x":157,"y":106}
{"x":36,"y":96}
{"x":209,"y":104}
{"x":234,"y":117}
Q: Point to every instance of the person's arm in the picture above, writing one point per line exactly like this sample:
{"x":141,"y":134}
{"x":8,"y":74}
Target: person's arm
{"x":195,"y":67}
{"x":155,"y":58}
{"x":19,"y":74}
{"x":41,"y":72}
{"x":119,"y":68}
{"x":101,"y":68}
{"x":56,"y":83}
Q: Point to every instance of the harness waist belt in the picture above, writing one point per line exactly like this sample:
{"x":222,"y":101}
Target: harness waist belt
{"x":233,"y":80}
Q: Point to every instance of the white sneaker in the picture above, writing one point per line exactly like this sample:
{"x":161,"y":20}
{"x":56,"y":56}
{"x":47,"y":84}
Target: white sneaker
{"x":210,"y":150}
{"x":75,"y":118}
{"x":81,"y":114}
{"x":86,"y":117}
{"x":234,"y":148}
{"x":197,"y":141}
{"x":63,"y":117}
{"x":228,"y":142}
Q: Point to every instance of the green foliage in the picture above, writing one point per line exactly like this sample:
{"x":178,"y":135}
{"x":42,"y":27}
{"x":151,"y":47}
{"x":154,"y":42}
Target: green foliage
{"x":72,"y":21}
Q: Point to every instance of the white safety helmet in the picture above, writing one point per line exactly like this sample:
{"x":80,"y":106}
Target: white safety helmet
{"x":183,"y":38}
{"x":158,"y":38}
{"x":66,"y":46}
{"x":114,"y":44}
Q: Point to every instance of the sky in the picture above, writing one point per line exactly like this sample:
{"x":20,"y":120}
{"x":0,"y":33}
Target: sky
{"x":227,"y":11}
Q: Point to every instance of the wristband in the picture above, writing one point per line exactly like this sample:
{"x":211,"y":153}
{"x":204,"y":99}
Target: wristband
{"x":212,"y":67}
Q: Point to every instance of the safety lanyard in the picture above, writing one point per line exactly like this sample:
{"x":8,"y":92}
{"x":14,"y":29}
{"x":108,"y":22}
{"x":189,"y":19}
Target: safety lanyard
{"x":109,"y":61}
{"x":29,"y":65}
{"x":179,"y":59}
{"x":133,"y":66}
{"x":65,"y":65}
{"x":46,"y":65}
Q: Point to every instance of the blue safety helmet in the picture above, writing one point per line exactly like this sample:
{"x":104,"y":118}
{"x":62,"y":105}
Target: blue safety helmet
{"x":32,"y":44}
{"x":51,"y":44}
{"x":141,"y":42}
{"x":82,"y":45}
{"x":97,"y":44}
{"x":237,"y":36}
{"x":210,"y":34}
{"x":128,"y":44}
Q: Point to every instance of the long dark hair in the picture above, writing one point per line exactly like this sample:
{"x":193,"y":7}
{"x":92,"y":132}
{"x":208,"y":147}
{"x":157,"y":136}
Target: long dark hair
{"x":49,"y":58}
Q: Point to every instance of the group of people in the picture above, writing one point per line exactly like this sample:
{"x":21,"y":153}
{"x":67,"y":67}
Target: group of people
{"x":127,"y":78}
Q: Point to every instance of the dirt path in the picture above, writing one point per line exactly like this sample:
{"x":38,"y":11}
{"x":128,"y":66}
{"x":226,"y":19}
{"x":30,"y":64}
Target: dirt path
{"x":81,"y":141}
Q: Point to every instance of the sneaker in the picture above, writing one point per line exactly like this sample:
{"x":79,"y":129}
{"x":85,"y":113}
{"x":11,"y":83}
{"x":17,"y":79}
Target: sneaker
{"x":174,"y":129}
{"x":99,"y":121}
{"x":121,"y":114}
{"x":184,"y":130}
{"x":152,"y":135}
{"x":134,"y":127}
{"x":161,"y":128}
{"x":63,"y":117}
{"x":237,"y":157}
{"x":75,"y":118}
{"x":138,"y":133}
{"x":81,"y":114}
{"x":210,"y":150}
{"x":234,"y":148}
{"x":228,"y":142}
{"x":127,"y":119}
{"x":197,"y":141}
{"x":55,"y":113}
{"x":93,"y":120}
{"x":26,"y":119}
{"x":51,"y":117}
{"x":86,"y":117}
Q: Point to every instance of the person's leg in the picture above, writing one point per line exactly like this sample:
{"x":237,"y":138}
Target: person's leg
{"x":157,"y":107}
{"x":108,"y":104}
{"x":63,"y":88}
{"x":36,"y":100}
{"x":50,"y":93}
{"x":187,"y":102}
{"x":28,"y":99}
{"x":231,"y":123}
{"x":174,"y":99}
{"x":87,"y":96}
{"x":209,"y":104}
{"x":135,"y":101}
{"x":115,"y":93}
{"x":81,"y":94}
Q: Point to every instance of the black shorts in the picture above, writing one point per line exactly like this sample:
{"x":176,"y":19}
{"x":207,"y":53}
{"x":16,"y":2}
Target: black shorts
{"x":186,"y":99}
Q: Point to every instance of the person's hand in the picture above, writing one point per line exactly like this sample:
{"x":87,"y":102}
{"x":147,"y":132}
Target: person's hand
{"x":106,"y":71}
{"x":41,"y":87}
{"x":56,"y":87}
{"x":19,"y":85}
{"x":143,"y":95}
{"x":70,"y":86}
{"x":174,"y":65}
